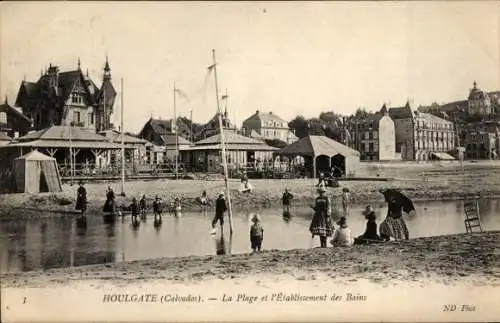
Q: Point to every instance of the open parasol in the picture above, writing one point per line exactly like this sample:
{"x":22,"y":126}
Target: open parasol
{"x":395,"y":196}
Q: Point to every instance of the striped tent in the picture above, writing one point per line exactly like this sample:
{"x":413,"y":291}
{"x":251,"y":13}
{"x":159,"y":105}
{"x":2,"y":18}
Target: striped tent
{"x":36,"y":172}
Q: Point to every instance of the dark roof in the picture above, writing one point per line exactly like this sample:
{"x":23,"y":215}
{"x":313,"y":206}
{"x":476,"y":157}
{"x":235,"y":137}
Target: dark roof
{"x":63,"y":133}
{"x":401,"y":112}
{"x":9,"y":109}
{"x":316,"y":146}
{"x":4,"y":137}
{"x":115,"y":136}
{"x":161,"y":126}
{"x":230,"y":137}
{"x":170,"y":140}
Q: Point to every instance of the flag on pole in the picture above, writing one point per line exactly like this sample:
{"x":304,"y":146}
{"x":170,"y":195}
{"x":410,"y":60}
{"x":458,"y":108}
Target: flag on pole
{"x":224,"y":97}
{"x":211,"y":67}
{"x":182,"y":94}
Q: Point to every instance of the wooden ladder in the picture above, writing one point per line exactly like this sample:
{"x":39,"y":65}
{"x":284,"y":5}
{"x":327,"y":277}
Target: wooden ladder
{"x":472,"y":216}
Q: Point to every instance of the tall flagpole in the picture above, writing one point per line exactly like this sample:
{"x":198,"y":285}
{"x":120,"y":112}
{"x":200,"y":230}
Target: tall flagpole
{"x":71,"y":172}
{"x":176,"y":137}
{"x":122,"y":139}
{"x":223,"y":146}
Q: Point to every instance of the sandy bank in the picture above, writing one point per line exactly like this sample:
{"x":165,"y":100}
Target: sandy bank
{"x":419,"y":182}
{"x":443,"y":259}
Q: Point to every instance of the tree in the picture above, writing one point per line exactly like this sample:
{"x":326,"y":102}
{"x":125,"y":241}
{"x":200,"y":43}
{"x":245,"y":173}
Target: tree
{"x":361,"y":113}
{"x":300,"y":126}
{"x":330,"y":117}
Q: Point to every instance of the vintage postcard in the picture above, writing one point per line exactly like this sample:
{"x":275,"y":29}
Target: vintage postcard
{"x":250,"y":161}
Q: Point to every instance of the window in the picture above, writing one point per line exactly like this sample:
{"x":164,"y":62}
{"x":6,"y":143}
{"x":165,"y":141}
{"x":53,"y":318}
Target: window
{"x":375,"y":135}
{"x":76,"y":98}
{"x":76,"y":116}
{"x":371,"y":147}
{"x":375,"y":147}
{"x":90,"y":119}
{"x":3,"y":117}
{"x":367,"y":135}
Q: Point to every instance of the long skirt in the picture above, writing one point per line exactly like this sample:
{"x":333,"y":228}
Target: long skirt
{"x":395,"y":228}
{"x":321,"y":225}
{"x":81,"y":204}
{"x":109,"y":206}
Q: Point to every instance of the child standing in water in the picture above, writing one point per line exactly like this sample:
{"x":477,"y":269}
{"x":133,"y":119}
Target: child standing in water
{"x":346,"y":201}
{"x":157,"y":207}
{"x":286,"y":200}
{"x":256,"y":234}
{"x":142,"y":206}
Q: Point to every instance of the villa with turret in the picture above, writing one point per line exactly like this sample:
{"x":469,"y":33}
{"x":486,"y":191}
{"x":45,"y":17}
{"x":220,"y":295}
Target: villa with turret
{"x":61,"y":98}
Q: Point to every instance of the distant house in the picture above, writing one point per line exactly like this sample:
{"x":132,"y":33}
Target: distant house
{"x":171,"y":143}
{"x":422,"y":136}
{"x":212,"y":127}
{"x":154,"y":129}
{"x":135,"y":147}
{"x":12,"y":122}
{"x":68,"y":98}
{"x":205,"y":155}
{"x":482,"y":140}
{"x":374,"y":136}
{"x":266,"y":125}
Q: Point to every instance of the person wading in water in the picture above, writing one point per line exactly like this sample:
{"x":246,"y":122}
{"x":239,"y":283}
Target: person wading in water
{"x":220,"y":209}
{"x":81,"y":199}
{"x":321,"y":223}
{"x":109,"y":206}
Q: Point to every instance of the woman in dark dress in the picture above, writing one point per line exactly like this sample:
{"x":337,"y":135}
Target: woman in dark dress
{"x":394,"y":225}
{"x":321,"y":223}
{"x":370,"y":235}
{"x":81,"y":199}
{"x":109,"y":206}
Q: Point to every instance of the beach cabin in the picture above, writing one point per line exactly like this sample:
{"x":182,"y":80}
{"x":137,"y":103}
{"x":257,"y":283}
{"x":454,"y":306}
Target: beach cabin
{"x":36,"y":172}
{"x":321,"y":153}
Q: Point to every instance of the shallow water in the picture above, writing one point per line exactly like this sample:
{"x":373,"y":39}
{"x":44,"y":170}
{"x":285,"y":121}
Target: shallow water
{"x":60,"y":242}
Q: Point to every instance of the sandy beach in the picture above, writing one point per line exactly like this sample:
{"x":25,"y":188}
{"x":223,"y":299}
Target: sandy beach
{"x":418,"y":181}
{"x":442,"y":259}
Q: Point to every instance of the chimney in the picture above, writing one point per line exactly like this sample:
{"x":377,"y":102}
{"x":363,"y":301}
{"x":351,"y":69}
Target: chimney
{"x":257,"y":112}
{"x":271,"y":112}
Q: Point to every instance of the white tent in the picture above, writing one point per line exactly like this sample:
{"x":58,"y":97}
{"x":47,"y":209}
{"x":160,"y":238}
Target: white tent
{"x":36,"y":172}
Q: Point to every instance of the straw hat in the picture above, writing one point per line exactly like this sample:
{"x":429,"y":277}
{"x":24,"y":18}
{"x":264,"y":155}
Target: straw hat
{"x":255,"y":218}
{"x":221,"y":194}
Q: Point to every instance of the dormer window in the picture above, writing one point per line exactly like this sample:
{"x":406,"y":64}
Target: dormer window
{"x":76,"y":98}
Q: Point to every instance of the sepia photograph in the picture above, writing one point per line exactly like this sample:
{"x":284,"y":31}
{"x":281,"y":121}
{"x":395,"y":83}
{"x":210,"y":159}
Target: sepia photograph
{"x":222,"y":161}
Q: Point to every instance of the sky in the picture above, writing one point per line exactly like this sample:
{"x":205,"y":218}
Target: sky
{"x":288,"y":58}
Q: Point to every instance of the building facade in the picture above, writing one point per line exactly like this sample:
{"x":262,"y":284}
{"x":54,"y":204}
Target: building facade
{"x":374,"y":136}
{"x":13,"y":122}
{"x":482,"y":140}
{"x":422,"y":136}
{"x":268,"y":126}
{"x":68,"y":98}
{"x":479,"y":102}
{"x":154,"y":129}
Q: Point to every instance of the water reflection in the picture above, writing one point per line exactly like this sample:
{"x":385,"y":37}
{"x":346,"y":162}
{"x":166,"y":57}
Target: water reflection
{"x":56,"y":242}
{"x":157,"y":224}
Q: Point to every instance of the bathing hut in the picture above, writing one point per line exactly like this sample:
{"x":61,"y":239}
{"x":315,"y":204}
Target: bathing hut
{"x":36,"y":172}
{"x":321,"y":154}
